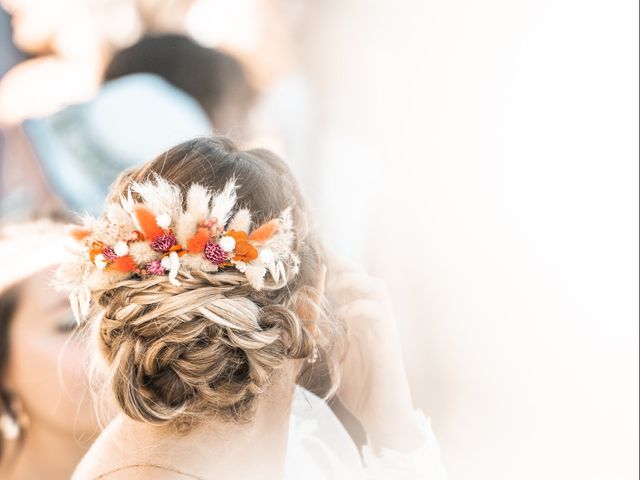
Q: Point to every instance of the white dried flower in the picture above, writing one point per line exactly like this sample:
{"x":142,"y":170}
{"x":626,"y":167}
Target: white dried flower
{"x":227,"y":243}
{"x":174,"y":261}
{"x":100,"y":261}
{"x":121,"y":249}
{"x":163,"y":221}
{"x":166,"y":263}
{"x":266,"y":256}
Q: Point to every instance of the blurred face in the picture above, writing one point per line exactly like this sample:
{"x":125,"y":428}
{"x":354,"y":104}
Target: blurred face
{"x":33,"y":23}
{"x":37,"y":22}
{"x":47,"y":366}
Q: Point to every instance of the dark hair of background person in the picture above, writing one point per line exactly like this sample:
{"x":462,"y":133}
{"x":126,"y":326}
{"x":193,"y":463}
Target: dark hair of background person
{"x":9,"y":300}
{"x":216,"y":80}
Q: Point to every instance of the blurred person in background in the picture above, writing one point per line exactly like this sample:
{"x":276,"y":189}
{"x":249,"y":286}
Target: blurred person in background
{"x":69,"y":157}
{"x":263,"y":35}
{"x":11,"y":193}
{"x":72,"y":44}
{"x":65,"y":44}
{"x":216,"y":80}
{"x":162,"y":16}
{"x":72,"y":156}
{"x":9,"y":54}
{"x":69,"y":42}
{"x":47,"y":419}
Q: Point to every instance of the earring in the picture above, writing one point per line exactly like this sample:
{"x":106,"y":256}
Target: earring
{"x":314,"y":355}
{"x":9,"y":428}
{"x":12,"y":426}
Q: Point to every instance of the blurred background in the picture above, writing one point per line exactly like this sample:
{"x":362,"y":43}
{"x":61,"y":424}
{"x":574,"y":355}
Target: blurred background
{"x":496,"y":142}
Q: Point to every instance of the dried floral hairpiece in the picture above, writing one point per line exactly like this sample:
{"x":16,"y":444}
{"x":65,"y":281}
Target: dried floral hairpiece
{"x":158,"y":237}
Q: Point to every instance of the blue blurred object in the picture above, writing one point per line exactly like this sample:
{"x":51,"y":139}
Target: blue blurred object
{"x":83,"y":148}
{"x":9,"y":54}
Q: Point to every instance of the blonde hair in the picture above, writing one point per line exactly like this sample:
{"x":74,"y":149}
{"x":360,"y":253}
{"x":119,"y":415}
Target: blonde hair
{"x":211,"y":346}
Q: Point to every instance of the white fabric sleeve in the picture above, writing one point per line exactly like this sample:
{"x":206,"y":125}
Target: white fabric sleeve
{"x":422,"y":463}
{"x":321,"y":449}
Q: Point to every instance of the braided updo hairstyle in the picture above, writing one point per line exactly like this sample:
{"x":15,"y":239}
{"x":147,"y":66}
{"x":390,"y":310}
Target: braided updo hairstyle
{"x":211,"y":346}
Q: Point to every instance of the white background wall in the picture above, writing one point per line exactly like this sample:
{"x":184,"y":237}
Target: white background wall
{"x":494,"y":148}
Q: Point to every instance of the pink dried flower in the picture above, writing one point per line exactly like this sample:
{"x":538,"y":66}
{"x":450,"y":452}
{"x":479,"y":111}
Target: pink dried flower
{"x":162,"y":243}
{"x":214,"y":253}
{"x":109,"y":254}
{"x":155,"y":268}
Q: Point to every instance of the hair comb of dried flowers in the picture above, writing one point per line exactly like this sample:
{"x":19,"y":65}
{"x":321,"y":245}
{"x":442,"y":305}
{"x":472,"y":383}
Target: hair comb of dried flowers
{"x":158,"y":237}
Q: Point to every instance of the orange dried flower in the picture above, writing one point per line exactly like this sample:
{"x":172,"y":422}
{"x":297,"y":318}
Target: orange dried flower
{"x":177,"y":248}
{"x":148,"y":224}
{"x":96,"y":249}
{"x":264,"y":232}
{"x":244,"y":251}
{"x":79,"y":234}
{"x":124,"y":264}
{"x":197,"y":243}
{"x":238,"y":236}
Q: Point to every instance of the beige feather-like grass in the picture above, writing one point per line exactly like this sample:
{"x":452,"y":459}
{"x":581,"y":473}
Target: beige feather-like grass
{"x":116,"y":214}
{"x":118,"y":223}
{"x":198,"y":262}
{"x":224,"y":202}
{"x":128,"y":205}
{"x":160,"y":196}
{"x":103,"y":279}
{"x":241,"y":221}
{"x":281,"y":241}
{"x":70,"y":275}
{"x":197,"y":209}
{"x":255,"y":272}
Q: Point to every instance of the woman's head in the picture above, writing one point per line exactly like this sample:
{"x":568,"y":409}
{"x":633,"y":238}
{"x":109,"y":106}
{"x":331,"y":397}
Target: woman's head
{"x":207,"y":341}
{"x":222,"y":89}
{"x":42,"y":377}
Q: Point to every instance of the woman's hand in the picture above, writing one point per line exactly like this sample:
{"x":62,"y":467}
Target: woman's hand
{"x":374,"y":384}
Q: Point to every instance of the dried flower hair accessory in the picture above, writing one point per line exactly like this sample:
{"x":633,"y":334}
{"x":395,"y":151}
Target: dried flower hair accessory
{"x":158,"y":237}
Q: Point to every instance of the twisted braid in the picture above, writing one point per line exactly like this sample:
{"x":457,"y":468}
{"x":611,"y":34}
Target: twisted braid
{"x":206,"y":346}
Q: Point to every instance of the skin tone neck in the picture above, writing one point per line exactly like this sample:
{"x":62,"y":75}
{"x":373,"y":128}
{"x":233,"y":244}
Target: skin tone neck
{"x":214,"y":449}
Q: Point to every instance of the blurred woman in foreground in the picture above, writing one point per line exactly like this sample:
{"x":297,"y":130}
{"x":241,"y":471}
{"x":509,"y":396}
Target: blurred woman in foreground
{"x":46,"y":417}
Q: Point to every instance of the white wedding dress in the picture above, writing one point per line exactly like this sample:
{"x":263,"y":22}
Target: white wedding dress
{"x":321,"y":449}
